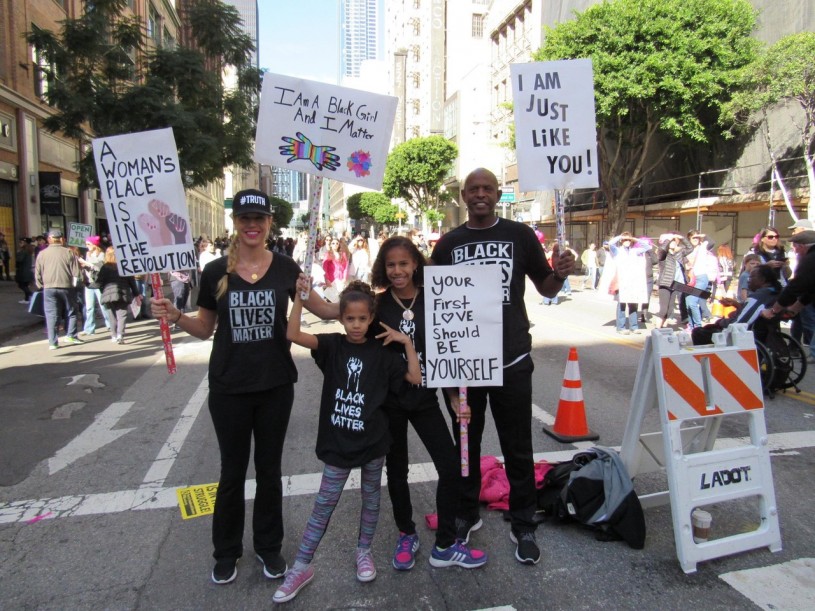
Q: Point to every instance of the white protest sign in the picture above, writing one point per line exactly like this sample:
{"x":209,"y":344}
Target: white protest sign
{"x":140,"y":181}
{"x":555,"y":132}
{"x":463,"y":326}
{"x":78,"y":233}
{"x":323,"y":129}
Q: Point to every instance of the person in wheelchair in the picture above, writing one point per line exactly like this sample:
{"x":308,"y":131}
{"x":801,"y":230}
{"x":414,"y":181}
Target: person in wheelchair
{"x":763,"y":290}
{"x":800,"y":290}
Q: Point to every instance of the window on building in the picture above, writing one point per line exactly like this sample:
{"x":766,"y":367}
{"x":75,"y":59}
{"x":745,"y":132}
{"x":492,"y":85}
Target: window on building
{"x":417,"y":4}
{"x":153,"y":25}
{"x":451,"y":118}
{"x":417,"y":106}
{"x":417,"y":29}
{"x":44,"y":73}
{"x":417,"y":55}
{"x":415,"y":132}
{"x":169,"y":41}
{"x":416,"y":78}
{"x":478,"y":25}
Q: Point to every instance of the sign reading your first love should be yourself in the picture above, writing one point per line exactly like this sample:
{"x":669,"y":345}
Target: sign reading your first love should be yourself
{"x":463,"y":326}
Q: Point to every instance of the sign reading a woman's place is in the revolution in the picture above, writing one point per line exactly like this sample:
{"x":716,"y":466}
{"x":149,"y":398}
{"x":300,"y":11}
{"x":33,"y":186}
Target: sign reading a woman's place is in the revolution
{"x":463,"y":326}
{"x":140,"y":180}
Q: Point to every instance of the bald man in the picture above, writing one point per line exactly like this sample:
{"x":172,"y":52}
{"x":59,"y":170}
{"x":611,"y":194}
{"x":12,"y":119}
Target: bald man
{"x":516,"y":249}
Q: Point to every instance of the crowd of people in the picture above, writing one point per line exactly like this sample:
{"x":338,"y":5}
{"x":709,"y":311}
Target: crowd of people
{"x":689,"y":274}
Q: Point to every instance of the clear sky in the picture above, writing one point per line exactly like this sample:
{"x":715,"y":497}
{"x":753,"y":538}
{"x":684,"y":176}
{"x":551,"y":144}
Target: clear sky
{"x":299,"y":38}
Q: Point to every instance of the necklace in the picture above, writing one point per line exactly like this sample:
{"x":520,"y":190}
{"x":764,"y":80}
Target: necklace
{"x":254,"y":268}
{"x":408,"y":312}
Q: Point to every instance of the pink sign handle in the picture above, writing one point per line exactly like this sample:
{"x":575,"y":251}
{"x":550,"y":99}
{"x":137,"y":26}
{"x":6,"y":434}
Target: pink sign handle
{"x":464,"y":431}
{"x":166,"y":338}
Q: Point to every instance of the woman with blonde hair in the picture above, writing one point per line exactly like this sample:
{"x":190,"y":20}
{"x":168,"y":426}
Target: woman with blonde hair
{"x":243,"y":298}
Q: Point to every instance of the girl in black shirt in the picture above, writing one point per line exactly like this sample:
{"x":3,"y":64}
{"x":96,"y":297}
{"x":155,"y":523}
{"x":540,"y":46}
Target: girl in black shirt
{"x":353,"y":430}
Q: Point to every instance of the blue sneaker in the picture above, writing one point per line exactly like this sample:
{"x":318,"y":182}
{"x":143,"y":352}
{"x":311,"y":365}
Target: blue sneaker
{"x":404,"y":556}
{"x":458,"y":554}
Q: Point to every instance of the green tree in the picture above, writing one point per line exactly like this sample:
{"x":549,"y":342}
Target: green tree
{"x":282,"y":211}
{"x":783,"y":74}
{"x":372,"y":206}
{"x":104,"y":80}
{"x":662,"y":70}
{"x":416,"y":169}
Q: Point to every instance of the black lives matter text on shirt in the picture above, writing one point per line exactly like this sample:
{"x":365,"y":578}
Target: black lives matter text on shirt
{"x":488,"y":253}
{"x":251,"y":315}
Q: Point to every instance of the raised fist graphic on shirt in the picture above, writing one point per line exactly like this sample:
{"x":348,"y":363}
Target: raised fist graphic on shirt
{"x":354,"y":367}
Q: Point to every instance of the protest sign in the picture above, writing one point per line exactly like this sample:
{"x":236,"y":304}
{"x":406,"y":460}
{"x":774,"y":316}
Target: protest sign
{"x":555,"y":132}
{"x":140,"y":181}
{"x":78,"y":233}
{"x":464,"y":324}
{"x":325,"y":130}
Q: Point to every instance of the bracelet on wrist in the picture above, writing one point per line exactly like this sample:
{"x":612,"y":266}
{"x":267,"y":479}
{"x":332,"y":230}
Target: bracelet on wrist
{"x":180,"y":314}
{"x":558,"y":277}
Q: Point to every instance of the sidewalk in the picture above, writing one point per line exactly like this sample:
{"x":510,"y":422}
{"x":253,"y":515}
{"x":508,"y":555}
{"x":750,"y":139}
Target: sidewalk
{"x":14,"y":317}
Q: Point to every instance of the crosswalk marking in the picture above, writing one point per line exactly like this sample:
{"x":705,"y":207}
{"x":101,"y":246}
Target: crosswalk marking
{"x":787,"y":586}
{"x":293,"y":485}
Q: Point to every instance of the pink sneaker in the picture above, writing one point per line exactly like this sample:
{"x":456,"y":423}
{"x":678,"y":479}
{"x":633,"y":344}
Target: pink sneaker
{"x":296,"y":579}
{"x":366,"y":571}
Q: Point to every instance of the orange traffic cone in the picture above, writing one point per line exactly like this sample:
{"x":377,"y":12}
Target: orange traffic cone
{"x":570,"y":421}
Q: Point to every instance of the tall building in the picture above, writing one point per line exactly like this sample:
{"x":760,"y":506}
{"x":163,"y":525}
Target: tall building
{"x":248,"y":10}
{"x":359,"y":26}
{"x":415,"y":50}
{"x":360,"y":68}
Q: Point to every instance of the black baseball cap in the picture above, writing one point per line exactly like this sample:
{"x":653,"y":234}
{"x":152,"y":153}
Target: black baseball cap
{"x":251,"y":201}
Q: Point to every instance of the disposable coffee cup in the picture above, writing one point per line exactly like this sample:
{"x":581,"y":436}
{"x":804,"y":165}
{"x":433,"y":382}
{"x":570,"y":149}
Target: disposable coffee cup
{"x":701,"y":521}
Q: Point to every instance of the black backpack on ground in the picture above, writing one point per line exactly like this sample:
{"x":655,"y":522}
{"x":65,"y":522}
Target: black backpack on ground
{"x":594,"y":489}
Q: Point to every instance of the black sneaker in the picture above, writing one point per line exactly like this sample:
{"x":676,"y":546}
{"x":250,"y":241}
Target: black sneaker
{"x":465,"y":527}
{"x":274,"y":566}
{"x":527,"y":551}
{"x":226,"y":569}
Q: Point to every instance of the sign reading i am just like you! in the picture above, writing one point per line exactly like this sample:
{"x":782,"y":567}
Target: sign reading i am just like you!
{"x":555,"y":130}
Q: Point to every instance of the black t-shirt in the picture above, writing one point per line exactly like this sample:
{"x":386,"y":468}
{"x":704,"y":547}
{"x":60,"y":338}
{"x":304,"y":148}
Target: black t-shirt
{"x":411,"y":397}
{"x":515,"y":248}
{"x":353,"y":428}
{"x":250,"y":352}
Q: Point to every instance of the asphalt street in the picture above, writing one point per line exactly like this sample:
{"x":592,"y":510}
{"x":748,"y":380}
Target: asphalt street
{"x":97,"y":439}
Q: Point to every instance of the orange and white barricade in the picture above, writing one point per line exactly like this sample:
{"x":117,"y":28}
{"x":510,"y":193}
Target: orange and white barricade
{"x":695,"y":388}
